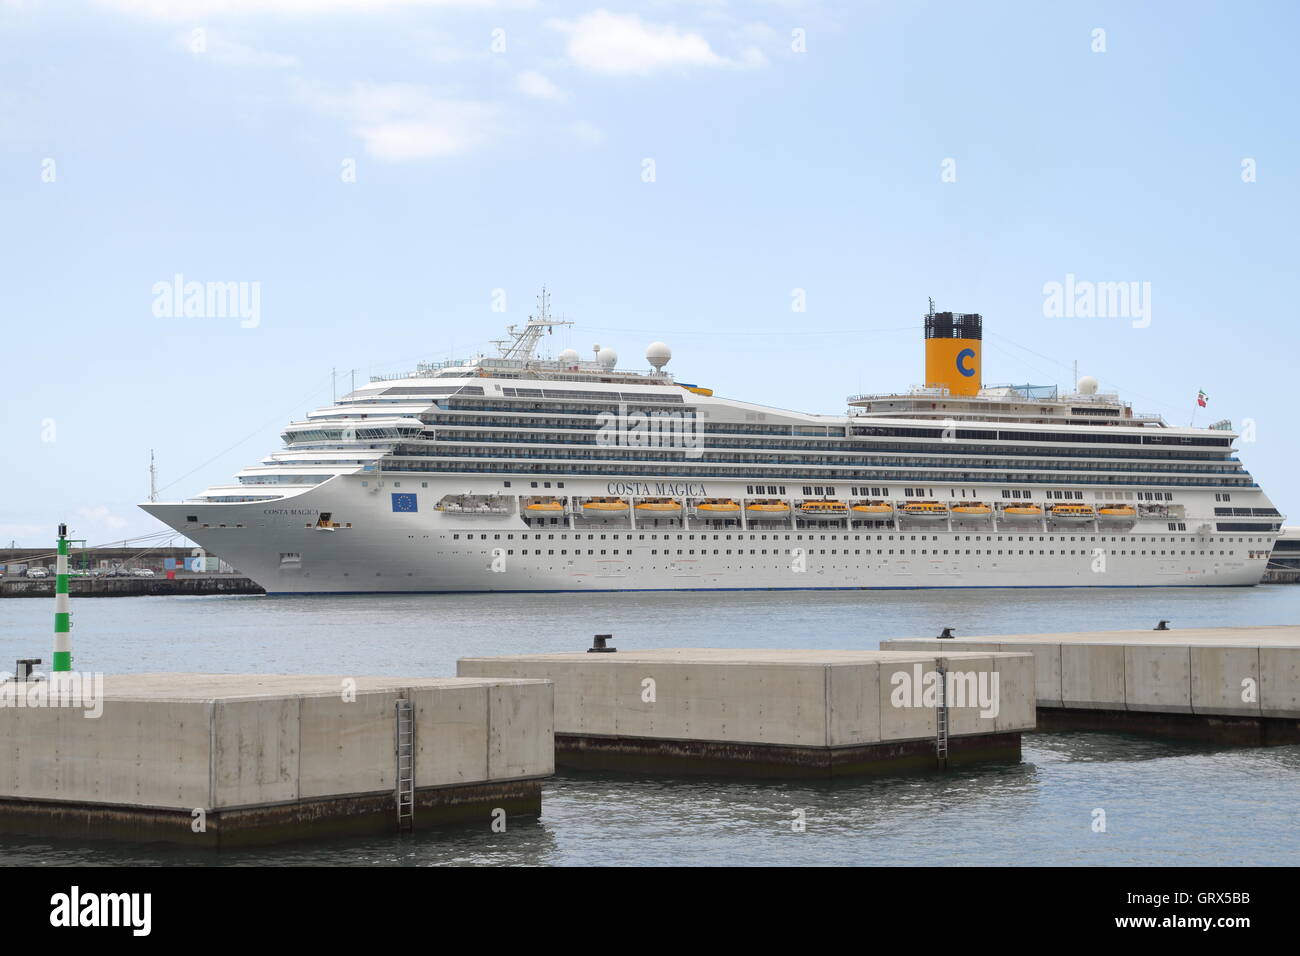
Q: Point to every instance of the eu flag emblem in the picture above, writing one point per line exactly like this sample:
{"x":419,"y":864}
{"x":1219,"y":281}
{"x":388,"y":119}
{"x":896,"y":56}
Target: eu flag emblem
{"x":404,"y":503}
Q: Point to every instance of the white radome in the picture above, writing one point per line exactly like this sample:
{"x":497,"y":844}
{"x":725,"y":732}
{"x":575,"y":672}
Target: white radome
{"x":1088,"y":385}
{"x":607,"y":358}
{"x":658,"y":354}
{"x":568,"y":357}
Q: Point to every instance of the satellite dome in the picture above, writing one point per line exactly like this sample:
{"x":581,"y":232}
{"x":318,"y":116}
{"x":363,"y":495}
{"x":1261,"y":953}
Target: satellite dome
{"x":658,"y":354}
{"x":607,"y":358}
{"x":1087,"y":385}
{"x":568,"y":357}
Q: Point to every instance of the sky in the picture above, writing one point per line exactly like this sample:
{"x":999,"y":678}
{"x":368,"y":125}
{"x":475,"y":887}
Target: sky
{"x":772,"y":187}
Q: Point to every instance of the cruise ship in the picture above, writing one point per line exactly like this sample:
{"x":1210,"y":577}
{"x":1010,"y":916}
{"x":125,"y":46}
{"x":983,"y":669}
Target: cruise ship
{"x":516,"y":472}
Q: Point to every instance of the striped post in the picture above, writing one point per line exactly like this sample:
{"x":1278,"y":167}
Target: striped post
{"x":62,"y":613}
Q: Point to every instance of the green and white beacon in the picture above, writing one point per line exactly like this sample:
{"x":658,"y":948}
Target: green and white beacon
{"x":62,"y":612}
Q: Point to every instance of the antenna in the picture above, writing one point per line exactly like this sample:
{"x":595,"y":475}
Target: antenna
{"x":153,"y":478}
{"x":930,"y":314}
{"x":525,"y":340}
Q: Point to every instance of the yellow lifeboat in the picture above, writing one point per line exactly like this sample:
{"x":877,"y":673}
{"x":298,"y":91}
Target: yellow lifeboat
{"x":824,"y":508}
{"x":1022,"y":511}
{"x":928,"y":510}
{"x":975,"y":509}
{"x":1117,"y":511}
{"x":1074,"y":512}
{"x":768,"y":505}
{"x":544,"y":504}
{"x":604,"y":504}
{"x":717,"y":505}
{"x":873,"y":507}
{"x":658,"y":504}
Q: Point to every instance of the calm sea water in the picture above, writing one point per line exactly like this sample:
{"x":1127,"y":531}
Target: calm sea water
{"x":1165,"y":803}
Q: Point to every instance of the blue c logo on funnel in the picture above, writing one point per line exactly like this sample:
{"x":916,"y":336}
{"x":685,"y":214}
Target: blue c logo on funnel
{"x":961,"y":358}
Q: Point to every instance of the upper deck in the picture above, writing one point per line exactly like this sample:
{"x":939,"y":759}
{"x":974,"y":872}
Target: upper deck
{"x":1026,"y":404}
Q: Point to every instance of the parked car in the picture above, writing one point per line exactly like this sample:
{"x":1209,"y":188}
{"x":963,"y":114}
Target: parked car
{"x":37,"y":573}
{"x":119,"y":573}
{"x":144,"y":572}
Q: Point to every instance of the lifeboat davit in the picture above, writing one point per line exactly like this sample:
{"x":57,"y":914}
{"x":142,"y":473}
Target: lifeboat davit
{"x":1117,"y":512}
{"x":1072,"y":513}
{"x":658,"y":504}
{"x":1022,"y":512}
{"x":605,"y":505}
{"x":545,"y":504}
{"x":926,"y":510}
{"x":768,"y":505}
{"x":873,"y":507}
{"x":824,"y":508}
{"x":718,"y":506}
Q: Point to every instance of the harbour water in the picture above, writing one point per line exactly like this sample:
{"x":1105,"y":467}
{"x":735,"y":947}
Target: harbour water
{"x":1164,"y":803}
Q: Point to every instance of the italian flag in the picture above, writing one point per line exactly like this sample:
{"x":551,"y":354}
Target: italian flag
{"x":1202,"y":399}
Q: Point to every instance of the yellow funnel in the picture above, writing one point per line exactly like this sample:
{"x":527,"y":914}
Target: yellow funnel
{"x":952,"y":352}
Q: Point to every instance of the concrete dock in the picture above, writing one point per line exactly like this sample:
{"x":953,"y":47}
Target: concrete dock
{"x":222,"y":760}
{"x":1237,"y":685}
{"x":778,"y":713}
{"x":190,"y":584}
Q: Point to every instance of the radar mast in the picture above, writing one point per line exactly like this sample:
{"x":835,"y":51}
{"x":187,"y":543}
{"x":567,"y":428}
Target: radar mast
{"x":523,"y":343}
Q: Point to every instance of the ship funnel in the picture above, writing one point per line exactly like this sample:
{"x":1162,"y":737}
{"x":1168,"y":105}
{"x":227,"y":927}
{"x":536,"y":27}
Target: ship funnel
{"x":952,"y":351}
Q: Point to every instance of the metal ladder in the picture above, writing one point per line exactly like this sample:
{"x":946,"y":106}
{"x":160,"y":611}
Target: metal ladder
{"x":405,"y":747}
{"x":941,"y":717}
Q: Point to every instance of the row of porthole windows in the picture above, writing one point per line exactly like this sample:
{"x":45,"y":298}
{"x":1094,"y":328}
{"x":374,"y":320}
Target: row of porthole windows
{"x":891,"y":551}
{"x":880,"y":537}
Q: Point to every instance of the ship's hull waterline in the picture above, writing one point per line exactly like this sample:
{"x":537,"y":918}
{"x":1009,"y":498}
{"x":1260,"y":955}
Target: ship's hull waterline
{"x":278,"y":544}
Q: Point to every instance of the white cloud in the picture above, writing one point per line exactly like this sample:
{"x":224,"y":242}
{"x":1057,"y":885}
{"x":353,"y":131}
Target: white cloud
{"x":448,"y":54}
{"x":587,"y":133}
{"x":534,"y":84}
{"x":400,"y":122}
{"x":621,"y":44}
{"x":190,"y":9}
{"x":207,"y":44}
{"x":758,"y":32}
{"x":444,"y":47}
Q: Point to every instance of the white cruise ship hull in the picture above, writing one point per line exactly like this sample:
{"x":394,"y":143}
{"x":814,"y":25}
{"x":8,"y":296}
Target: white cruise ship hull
{"x":374,"y":548}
